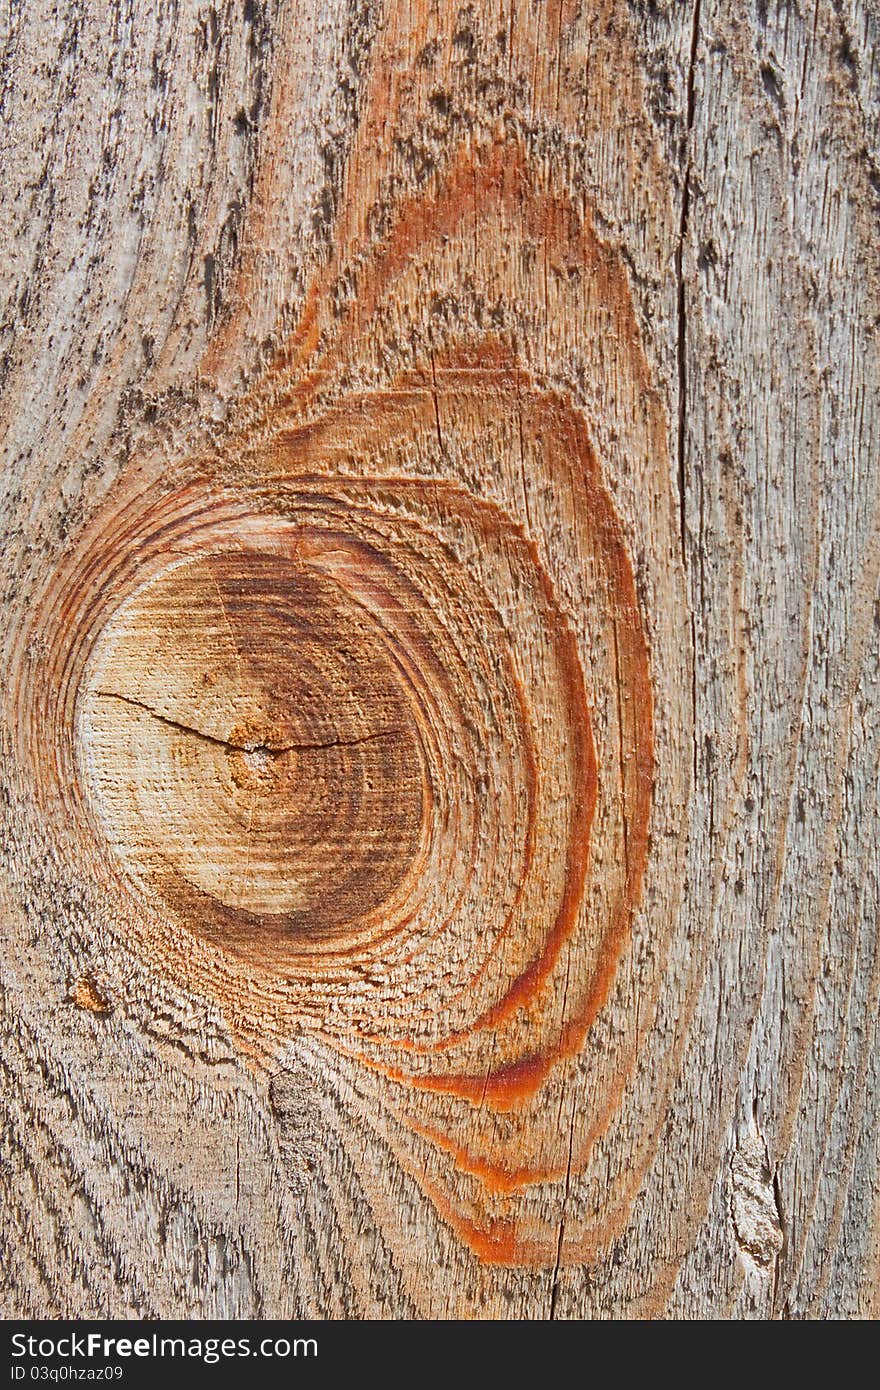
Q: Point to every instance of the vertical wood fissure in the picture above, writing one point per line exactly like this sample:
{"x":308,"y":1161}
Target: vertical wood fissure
{"x":683,"y":229}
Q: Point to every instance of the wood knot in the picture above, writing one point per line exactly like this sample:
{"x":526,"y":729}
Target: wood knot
{"x":250,"y":742}
{"x":339,"y":726}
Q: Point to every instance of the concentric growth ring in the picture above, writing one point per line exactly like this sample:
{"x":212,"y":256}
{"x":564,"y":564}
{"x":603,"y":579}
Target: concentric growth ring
{"x":374,"y":763}
{"x":311,"y":737}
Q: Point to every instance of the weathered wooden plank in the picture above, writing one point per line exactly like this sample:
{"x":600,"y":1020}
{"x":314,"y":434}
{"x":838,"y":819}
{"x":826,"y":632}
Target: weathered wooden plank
{"x":440,"y":739}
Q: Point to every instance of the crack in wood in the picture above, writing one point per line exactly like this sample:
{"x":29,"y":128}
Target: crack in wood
{"x":255,"y":746}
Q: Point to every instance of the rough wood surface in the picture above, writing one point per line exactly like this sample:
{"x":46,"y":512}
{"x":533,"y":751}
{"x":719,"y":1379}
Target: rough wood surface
{"x":440,"y":735}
